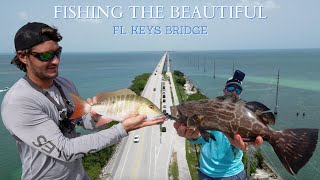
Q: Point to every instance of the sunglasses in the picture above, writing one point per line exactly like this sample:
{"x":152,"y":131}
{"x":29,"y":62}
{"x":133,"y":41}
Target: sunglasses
{"x":47,"y":56}
{"x":231,"y":89}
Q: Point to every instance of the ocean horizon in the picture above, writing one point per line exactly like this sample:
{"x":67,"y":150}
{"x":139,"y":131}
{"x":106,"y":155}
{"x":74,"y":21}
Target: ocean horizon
{"x":299,"y":89}
{"x":190,"y":50}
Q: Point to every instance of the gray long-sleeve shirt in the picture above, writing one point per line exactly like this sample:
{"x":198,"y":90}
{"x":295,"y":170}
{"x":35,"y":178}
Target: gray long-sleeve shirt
{"x":45,"y":152}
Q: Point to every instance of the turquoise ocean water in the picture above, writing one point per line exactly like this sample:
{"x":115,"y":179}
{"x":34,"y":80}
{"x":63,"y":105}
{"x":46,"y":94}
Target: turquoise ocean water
{"x":299,"y":89}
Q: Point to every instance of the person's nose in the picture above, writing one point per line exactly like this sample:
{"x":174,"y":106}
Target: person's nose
{"x":55,"y":60}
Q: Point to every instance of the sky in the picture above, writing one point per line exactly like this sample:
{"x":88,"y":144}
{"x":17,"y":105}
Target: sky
{"x":289,"y":25}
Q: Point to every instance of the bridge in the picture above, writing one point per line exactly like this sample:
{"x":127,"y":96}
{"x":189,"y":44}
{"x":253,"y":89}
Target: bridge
{"x":150,"y":157}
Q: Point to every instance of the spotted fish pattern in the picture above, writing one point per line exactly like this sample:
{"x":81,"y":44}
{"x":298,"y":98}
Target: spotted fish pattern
{"x":294,"y":147}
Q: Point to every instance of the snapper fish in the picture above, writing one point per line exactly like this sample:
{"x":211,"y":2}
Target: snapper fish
{"x":294,"y":147}
{"x":117,"y":105}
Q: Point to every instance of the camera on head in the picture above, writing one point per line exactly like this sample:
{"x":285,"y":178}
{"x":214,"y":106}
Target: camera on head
{"x":238,"y":75}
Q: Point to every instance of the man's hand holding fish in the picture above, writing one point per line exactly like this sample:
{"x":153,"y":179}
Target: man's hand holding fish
{"x":130,"y":122}
{"x":237,"y":141}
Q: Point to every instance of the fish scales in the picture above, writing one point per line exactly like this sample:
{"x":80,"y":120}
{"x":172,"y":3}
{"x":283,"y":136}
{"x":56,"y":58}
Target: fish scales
{"x":294,"y":147}
{"x":117,"y":105}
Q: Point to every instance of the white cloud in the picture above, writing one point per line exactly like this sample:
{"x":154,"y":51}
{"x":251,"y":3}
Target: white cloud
{"x":271,"y":5}
{"x":267,"y":4}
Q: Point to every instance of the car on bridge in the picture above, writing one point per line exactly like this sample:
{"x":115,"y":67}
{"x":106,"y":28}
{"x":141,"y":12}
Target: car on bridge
{"x":136,"y":139}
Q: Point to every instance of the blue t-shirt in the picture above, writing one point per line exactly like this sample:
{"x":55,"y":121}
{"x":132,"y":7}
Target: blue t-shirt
{"x":219,"y":158}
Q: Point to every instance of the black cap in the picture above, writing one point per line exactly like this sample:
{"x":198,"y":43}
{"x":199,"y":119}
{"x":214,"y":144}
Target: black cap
{"x":237,"y":79}
{"x":30,"y":35}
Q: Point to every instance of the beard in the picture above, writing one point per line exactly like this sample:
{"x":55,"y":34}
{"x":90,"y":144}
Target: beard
{"x":43,"y":72}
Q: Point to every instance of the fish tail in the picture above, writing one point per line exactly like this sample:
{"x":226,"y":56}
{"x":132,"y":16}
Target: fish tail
{"x":79,"y":107}
{"x":294,"y":147}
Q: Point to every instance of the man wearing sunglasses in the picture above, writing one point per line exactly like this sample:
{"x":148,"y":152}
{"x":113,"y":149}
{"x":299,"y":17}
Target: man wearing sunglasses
{"x":36,"y":109}
{"x":221,"y":159}
{"x":233,"y":86}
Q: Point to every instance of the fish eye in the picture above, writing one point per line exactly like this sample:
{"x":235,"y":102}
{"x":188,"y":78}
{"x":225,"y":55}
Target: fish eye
{"x":151,"y":106}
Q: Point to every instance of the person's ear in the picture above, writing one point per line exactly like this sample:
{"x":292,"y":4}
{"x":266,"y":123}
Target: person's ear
{"x":22,"y":58}
{"x":224,"y":90}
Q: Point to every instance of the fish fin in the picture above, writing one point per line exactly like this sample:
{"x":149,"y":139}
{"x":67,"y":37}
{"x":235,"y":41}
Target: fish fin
{"x":260,"y":109}
{"x":222,"y":98}
{"x":206,"y":135}
{"x":255,"y":106}
{"x":267,"y":118}
{"x":234,"y":150}
{"x":181,"y":114}
{"x":103,"y":121}
{"x":231,"y":98}
{"x":294,"y":147}
{"x":212,"y":137}
{"x":79,"y":107}
{"x":194,"y":121}
{"x":101,"y":96}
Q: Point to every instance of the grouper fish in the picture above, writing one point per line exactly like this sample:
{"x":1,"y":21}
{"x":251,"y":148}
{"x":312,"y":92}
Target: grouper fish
{"x":294,"y":147}
{"x":117,"y":105}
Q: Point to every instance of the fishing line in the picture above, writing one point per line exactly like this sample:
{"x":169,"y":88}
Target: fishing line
{"x":314,"y":167}
{"x":273,"y":165}
{"x":270,"y":95}
{"x":270,"y":88}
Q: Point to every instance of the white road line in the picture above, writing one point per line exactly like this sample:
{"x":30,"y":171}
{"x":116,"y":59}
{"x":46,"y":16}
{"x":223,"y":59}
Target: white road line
{"x":125,"y":160}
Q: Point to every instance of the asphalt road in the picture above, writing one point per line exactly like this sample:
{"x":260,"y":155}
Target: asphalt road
{"x":150,"y":158}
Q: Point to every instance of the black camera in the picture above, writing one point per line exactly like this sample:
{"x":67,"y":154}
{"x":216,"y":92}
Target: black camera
{"x":238,"y":75}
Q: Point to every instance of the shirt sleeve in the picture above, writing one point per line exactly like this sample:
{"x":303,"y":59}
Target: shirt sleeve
{"x":28,"y":121}
{"x":89,"y":123}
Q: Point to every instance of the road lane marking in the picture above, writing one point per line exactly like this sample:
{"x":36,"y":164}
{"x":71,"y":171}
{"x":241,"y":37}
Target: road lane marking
{"x":138,"y":156}
{"x":125,"y":160}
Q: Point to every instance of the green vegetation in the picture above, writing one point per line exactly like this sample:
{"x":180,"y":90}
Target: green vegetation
{"x":192,"y":158}
{"x":179,"y":78}
{"x":192,"y":155}
{"x":192,"y":151}
{"x":165,"y":77}
{"x":139,"y":83}
{"x":182,"y":96}
{"x":93,"y":163}
{"x":173,"y":168}
{"x":253,"y":164}
{"x":178,"y":73}
{"x":260,"y":159}
{"x":196,"y":96}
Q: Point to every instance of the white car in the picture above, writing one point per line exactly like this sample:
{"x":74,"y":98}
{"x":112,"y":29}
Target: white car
{"x":136,"y":139}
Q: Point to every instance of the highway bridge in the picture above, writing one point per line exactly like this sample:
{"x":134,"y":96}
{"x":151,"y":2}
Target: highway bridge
{"x":150,"y":157}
